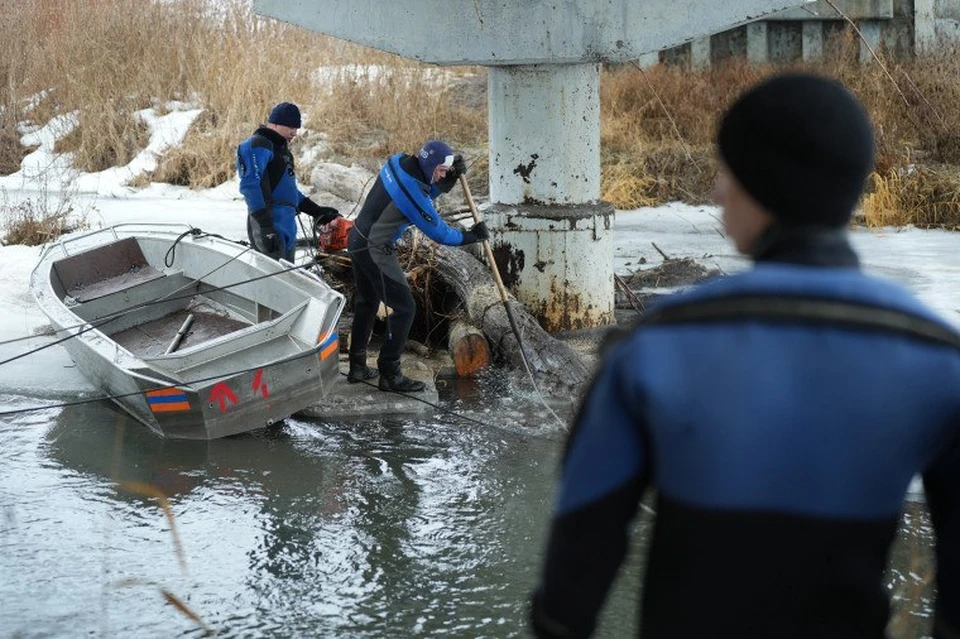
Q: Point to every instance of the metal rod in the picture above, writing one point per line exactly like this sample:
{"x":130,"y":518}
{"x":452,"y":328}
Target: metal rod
{"x":179,"y":336}
{"x":496,"y":273}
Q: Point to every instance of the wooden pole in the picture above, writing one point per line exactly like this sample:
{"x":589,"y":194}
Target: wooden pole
{"x":492,"y":263}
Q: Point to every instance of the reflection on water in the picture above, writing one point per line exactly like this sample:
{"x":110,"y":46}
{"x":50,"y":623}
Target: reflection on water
{"x":911,"y":574}
{"x":377,"y":529}
{"x":386,"y":528}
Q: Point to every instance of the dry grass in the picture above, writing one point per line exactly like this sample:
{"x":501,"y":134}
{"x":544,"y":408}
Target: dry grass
{"x":113,"y":140}
{"x":926,"y":196}
{"x":14,"y":70}
{"x":192,"y":163}
{"x":625,"y":182}
{"x":108,"y":59}
{"x":917,"y":180}
{"x":376,"y":111}
{"x":33,"y":223}
{"x":658,"y":142}
{"x":11,"y":152}
{"x":658,"y":127}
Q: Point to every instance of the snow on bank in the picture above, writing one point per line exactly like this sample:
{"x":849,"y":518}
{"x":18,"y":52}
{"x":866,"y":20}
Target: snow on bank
{"x":45,"y":169}
{"x":926,"y":262}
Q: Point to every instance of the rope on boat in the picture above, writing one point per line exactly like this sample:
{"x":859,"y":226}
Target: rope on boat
{"x":171,"y":253}
{"x":168,"y":259}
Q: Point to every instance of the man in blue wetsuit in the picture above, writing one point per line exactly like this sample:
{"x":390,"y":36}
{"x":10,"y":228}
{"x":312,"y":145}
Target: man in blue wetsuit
{"x":268,"y":184}
{"x":779,"y":413}
{"x":402,"y":196}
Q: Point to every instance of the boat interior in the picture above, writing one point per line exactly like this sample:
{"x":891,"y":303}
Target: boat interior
{"x":152,"y":312}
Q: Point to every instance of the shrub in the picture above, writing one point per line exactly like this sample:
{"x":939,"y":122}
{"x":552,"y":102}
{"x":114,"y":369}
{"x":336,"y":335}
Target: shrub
{"x":37,"y":221}
{"x":925,"y":196}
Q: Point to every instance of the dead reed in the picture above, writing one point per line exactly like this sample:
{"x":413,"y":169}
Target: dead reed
{"x":925,"y":196}
{"x":108,"y":59}
{"x":39,"y":220}
{"x":660,"y":123}
{"x":105,"y":60}
{"x":14,"y":71}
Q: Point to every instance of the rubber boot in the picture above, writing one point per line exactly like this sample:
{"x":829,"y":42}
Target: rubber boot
{"x":392,"y":379}
{"x":359,"y":371}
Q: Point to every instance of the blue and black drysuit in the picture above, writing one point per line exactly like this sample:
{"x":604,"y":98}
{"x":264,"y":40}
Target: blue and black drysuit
{"x":780,"y":415}
{"x":399,"y":198}
{"x":268,"y":184}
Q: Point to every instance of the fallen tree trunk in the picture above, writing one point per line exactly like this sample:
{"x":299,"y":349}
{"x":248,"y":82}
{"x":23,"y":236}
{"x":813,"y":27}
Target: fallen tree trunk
{"x":549,"y":358}
{"x":468,"y":347}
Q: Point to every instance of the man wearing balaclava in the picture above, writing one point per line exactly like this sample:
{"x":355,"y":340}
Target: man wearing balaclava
{"x":779,"y":414}
{"x":402,"y":196}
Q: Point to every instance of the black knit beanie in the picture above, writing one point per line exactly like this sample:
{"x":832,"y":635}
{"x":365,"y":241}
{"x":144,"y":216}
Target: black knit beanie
{"x":285,"y":114}
{"x":802,"y":146}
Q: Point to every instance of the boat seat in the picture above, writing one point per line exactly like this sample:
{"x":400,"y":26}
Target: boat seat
{"x":104,"y":270}
{"x":141,"y":275}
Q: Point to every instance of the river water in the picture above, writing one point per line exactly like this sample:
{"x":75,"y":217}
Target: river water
{"x":429,"y":527}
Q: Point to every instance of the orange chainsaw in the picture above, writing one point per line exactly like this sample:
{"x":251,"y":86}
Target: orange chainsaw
{"x":333,"y":235}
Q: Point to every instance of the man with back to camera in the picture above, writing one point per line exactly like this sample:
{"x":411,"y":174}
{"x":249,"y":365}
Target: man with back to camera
{"x":779,"y":413}
{"x":402,"y":196}
{"x":268,"y":184}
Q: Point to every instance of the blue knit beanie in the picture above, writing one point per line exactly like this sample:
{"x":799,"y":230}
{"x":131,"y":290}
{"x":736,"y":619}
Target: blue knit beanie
{"x":285,"y":114}
{"x":433,"y":154}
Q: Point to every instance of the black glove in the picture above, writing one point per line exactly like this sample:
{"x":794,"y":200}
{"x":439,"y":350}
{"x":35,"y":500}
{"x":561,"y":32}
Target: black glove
{"x":268,"y":234}
{"x":322,"y":214}
{"x":271,"y":242}
{"x":448,"y":181}
{"x":459,"y":166}
{"x":478,"y":233}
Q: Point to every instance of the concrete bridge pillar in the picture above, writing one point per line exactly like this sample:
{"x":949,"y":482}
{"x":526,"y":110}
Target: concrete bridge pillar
{"x":870,"y":30}
{"x":758,"y":48}
{"x":551,"y":235}
{"x":924,"y":25}
{"x":700,"y":53}
{"x":544,"y":133}
{"x":812,"y":40}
